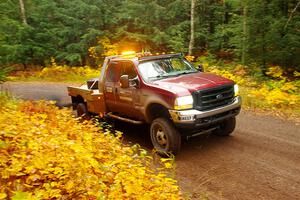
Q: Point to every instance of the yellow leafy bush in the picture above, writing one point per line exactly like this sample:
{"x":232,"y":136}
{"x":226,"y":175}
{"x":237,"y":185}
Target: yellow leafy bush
{"x":106,"y":49}
{"x":275,"y":97}
{"x":296,"y":74}
{"x":263,"y":93}
{"x":46,"y":154}
{"x":275,"y":72}
{"x":61,"y":73}
{"x":235,"y":77}
{"x":289,"y":86}
{"x":57,"y":73}
{"x":190,"y":58}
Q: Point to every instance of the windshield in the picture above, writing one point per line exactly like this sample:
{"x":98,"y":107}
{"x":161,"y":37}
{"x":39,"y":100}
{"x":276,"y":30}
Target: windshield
{"x":163,"y":68}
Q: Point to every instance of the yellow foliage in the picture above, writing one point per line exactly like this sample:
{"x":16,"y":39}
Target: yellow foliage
{"x":53,"y":62}
{"x":296,"y":74}
{"x":107,"y":49}
{"x":46,"y":154}
{"x":275,"y":72}
{"x":240,"y":70}
{"x":65,"y":73}
{"x":190,"y":58}
{"x":270,"y":93}
{"x":289,"y":86}
{"x":57,"y":73}
{"x":235,"y":77}
{"x":275,"y":96}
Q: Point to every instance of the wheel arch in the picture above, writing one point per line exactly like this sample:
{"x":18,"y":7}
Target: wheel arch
{"x":155,"y":110}
{"x":76,"y":100}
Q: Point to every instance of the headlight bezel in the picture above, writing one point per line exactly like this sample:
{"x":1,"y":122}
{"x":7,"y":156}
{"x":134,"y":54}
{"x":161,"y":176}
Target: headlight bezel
{"x":236,"y":90}
{"x":184,"y":102}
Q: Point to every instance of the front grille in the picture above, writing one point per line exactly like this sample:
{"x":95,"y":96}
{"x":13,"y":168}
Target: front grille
{"x":211,"y":98}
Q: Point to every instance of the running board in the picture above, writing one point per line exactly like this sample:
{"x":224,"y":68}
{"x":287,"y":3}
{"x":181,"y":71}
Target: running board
{"x":124,"y":119}
{"x":202,"y":132}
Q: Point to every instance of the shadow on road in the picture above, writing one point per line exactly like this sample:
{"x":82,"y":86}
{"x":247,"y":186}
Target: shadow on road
{"x":135,"y":134}
{"x":140,"y":134}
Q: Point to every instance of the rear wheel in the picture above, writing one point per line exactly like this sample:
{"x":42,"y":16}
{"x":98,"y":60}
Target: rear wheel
{"x":165,"y":138}
{"x":81,"y":111}
{"x":226,"y":127}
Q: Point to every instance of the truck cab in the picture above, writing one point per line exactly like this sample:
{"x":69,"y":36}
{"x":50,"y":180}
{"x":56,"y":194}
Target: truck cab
{"x":165,"y":91}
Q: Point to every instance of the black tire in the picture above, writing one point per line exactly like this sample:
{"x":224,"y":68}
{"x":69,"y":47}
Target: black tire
{"x":226,"y":127}
{"x":164,"y":136}
{"x":81,"y":111}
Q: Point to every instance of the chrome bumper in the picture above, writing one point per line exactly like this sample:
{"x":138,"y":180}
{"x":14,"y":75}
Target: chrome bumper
{"x":192,"y":115}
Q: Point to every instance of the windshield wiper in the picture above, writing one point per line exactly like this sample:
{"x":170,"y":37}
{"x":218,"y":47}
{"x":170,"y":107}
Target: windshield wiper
{"x":186,"y":72}
{"x":160,"y":76}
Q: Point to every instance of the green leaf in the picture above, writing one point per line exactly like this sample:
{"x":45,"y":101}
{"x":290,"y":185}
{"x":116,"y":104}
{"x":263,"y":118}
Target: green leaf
{"x":22,"y":196}
{"x":3,"y":144}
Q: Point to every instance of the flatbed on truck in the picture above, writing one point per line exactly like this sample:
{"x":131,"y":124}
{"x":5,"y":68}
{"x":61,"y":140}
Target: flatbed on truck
{"x":93,"y":99}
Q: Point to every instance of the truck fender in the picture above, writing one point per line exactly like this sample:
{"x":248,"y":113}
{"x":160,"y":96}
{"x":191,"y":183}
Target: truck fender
{"x":155,"y":109}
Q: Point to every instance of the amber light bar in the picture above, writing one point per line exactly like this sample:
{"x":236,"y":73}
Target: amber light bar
{"x":148,"y":55}
{"x":127,"y":53}
{"x":160,"y":56}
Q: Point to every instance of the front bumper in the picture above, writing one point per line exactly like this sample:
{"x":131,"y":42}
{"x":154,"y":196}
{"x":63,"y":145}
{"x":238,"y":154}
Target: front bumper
{"x":194,"y":118}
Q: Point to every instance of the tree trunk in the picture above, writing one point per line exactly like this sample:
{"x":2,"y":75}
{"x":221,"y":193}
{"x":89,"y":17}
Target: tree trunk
{"x":24,"y":66}
{"x":23,"y":16}
{"x":192,"y":39}
{"x":291,"y":15}
{"x":224,"y":23}
{"x":245,"y":10}
{"x":226,"y":13}
{"x":264,"y":45}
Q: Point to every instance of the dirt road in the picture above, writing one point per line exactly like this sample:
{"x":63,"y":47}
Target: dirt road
{"x":261,"y":160}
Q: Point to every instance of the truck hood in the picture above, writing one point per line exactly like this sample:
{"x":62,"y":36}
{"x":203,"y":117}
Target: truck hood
{"x":188,"y":83}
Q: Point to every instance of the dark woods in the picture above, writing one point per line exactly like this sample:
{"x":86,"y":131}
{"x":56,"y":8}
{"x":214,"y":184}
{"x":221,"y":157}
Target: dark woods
{"x":265,"y":32}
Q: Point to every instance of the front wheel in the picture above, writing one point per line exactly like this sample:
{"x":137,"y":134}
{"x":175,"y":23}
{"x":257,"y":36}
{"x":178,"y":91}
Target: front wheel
{"x":164,"y":136}
{"x":226,"y":127}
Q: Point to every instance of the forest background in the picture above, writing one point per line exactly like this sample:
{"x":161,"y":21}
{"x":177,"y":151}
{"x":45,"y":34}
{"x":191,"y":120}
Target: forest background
{"x":264,"y":32}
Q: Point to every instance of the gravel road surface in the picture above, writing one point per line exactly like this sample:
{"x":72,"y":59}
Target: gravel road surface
{"x":261,"y":160}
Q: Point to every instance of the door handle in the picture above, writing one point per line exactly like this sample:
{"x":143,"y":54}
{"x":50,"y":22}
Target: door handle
{"x":123,"y":93}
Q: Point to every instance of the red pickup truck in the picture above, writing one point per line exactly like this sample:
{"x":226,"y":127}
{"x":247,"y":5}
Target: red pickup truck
{"x":166,"y":91}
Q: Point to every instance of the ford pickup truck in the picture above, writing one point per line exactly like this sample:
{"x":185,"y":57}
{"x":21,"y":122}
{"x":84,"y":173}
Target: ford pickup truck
{"x":165,"y":91}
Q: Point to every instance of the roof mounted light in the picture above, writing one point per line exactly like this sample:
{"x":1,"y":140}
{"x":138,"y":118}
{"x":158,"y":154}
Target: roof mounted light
{"x":127,"y":53}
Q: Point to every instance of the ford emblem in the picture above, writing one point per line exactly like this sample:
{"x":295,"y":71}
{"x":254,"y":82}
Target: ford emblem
{"x":219,"y":96}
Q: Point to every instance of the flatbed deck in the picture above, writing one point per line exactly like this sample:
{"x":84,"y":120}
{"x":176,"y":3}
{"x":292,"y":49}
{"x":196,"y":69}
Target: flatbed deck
{"x":93,"y":98}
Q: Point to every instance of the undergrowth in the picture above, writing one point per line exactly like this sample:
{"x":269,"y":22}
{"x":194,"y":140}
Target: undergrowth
{"x":273,"y":93}
{"x":47,"y":154}
{"x":57,"y":73}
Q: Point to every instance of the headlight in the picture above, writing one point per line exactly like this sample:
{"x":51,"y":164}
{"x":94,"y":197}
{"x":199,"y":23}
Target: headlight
{"x":236,"y":90}
{"x":184,"y":102}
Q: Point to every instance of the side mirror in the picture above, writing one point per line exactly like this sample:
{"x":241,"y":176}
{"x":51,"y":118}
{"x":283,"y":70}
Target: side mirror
{"x":134,"y":82}
{"x":124,"y":81}
{"x":200,"y":68}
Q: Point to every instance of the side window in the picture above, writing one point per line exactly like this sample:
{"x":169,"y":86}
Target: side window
{"x":128,"y":69}
{"x":112,"y":72}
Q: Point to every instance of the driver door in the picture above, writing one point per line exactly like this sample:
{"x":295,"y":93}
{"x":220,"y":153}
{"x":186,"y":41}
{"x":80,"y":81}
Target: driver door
{"x":128,"y":98}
